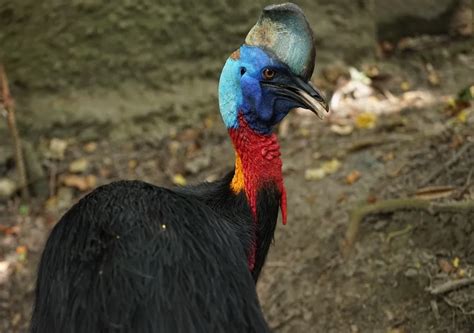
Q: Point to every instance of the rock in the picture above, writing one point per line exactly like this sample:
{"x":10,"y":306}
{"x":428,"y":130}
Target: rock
{"x":7,"y":187}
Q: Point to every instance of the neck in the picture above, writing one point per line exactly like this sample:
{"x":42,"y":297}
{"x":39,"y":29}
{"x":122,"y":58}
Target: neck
{"x":257,"y":166}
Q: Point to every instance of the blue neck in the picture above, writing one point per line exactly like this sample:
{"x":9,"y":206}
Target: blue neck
{"x":230,"y":94}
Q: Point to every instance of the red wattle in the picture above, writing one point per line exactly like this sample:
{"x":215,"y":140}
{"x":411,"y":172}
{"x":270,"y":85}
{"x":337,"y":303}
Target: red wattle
{"x":261,"y":163}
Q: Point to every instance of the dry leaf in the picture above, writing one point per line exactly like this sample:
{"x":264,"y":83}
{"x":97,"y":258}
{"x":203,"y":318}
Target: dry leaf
{"x":13,"y":230}
{"x":7,"y":187}
{"x":433,"y":77}
{"x":314,"y":174}
{"x":342,"y":129}
{"x":456,"y":262}
{"x":371,"y":199}
{"x":388,"y":156}
{"x":353,"y":177}
{"x":331,"y":166}
{"x":326,"y":168}
{"x":22,"y":249}
{"x":365,"y":120}
{"x":57,"y":148}
{"x":405,"y":86}
{"x":434,"y":192}
{"x":132,"y":165}
{"x":462,"y":116}
{"x":6,"y":270}
{"x":79,"y":166}
{"x":22,"y":252}
{"x":445,"y":265}
{"x":82,"y":183}
{"x":179,"y":179}
{"x":90,"y":147}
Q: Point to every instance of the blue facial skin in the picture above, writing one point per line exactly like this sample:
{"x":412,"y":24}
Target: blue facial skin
{"x":242,"y":89}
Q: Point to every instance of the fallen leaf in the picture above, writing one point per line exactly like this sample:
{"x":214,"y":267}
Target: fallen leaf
{"x":82,"y":183}
{"x":405,"y":86}
{"x":445,"y":265}
{"x":179,"y":179}
{"x":105,"y":172}
{"x":13,"y":230}
{"x":132,"y":165}
{"x":371,"y":199}
{"x":90,"y":147}
{"x":208,"y":122}
{"x":462,"y":116}
{"x":366,"y":120}
{"x":342,"y":129}
{"x":456,"y":262}
{"x":22,"y":249}
{"x":326,"y":168}
{"x":331,"y":166}
{"x":433,"y":77}
{"x":16,"y":319}
{"x":7,"y":187}
{"x":434,"y":192}
{"x":22,"y":252}
{"x":352,"y":177}
{"x":303,"y":132}
{"x":314,"y":174}
{"x":5,"y":271}
{"x":79,"y":166}
{"x":57,"y":148}
{"x":388,"y":156}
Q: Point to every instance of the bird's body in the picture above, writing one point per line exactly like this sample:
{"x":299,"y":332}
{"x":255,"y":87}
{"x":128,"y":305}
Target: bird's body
{"x":139,"y":258}
{"x":134,"y":257}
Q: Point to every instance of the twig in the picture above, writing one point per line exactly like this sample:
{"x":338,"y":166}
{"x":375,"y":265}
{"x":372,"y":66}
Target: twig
{"x":9,"y":106}
{"x":450,"y":286}
{"x":392,"y":205}
{"x":445,"y":166}
{"x":457,"y":306}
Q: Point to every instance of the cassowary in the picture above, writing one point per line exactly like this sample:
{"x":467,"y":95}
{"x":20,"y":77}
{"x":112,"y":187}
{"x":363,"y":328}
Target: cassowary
{"x":134,"y":257}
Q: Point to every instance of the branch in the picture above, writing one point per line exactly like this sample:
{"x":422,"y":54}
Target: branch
{"x":6,"y":102}
{"x":450,"y":286}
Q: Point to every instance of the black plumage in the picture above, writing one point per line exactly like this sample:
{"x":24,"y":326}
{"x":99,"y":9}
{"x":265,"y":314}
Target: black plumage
{"x":133,"y":257}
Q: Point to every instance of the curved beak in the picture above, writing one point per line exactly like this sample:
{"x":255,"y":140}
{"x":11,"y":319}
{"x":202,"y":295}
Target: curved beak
{"x":304,"y":93}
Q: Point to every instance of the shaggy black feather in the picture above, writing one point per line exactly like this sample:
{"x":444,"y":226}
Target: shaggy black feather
{"x":133,"y":257}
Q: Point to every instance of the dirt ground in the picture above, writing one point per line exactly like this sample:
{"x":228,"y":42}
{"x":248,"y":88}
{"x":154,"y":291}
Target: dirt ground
{"x":386,"y":281}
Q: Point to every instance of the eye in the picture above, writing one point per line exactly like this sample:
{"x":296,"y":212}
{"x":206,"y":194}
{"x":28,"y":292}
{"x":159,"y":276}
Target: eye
{"x":242,"y":71}
{"x":268,"y":74}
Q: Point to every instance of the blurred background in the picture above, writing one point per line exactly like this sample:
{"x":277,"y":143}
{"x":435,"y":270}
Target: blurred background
{"x":128,"y":89}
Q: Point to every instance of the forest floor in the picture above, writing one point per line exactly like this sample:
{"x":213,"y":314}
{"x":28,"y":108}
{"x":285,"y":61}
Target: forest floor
{"x":388,"y":280}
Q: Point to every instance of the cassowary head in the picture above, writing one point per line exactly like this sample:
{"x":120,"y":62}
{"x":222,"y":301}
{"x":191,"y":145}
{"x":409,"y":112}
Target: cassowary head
{"x":269,"y":75}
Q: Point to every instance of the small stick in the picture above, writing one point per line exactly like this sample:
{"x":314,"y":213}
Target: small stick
{"x":453,"y":160}
{"x":450,"y":286}
{"x":9,"y":106}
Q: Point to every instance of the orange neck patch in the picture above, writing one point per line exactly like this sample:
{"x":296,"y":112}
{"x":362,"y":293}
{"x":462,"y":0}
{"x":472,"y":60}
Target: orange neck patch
{"x":238,"y":182}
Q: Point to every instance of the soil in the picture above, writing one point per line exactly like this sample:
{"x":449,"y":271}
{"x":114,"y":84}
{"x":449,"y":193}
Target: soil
{"x":307,"y":285}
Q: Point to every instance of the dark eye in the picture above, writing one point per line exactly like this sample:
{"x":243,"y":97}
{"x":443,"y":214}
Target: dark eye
{"x":242,"y":71}
{"x":268,"y":74}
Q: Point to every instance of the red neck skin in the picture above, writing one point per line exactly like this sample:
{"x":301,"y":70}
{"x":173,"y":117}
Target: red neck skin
{"x":260,"y":163}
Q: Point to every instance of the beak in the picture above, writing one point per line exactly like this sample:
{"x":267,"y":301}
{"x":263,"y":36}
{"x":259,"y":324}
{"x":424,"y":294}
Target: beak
{"x":304,"y":93}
